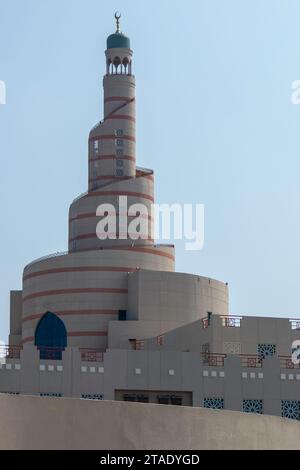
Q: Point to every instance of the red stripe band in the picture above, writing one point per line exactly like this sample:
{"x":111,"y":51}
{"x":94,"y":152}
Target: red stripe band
{"x":121,"y":117}
{"x":90,"y":215}
{"x":91,"y":290}
{"x":146,"y":250}
{"x":110,"y":177}
{"x":117,"y":98}
{"x":111,"y":136}
{"x":112,"y":157}
{"x":151,"y":251}
{"x":113,"y":177}
{"x":79,"y":270}
{"x":120,"y":193}
{"x":63,"y":313}
{"x":108,"y":235}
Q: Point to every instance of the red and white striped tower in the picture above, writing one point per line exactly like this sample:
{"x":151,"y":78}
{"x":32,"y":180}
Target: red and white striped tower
{"x":89,"y":285}
{"x":112,"y":154}
{"x":112,"y":141}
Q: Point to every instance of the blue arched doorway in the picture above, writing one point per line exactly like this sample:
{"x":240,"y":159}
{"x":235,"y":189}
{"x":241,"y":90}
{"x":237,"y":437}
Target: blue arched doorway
{"x":50,"y":336}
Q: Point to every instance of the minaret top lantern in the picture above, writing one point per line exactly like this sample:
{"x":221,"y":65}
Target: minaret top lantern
{"x":118,"y":40}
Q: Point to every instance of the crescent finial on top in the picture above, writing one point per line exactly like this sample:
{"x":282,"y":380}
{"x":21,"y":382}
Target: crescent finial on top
{"x":117,"y":17}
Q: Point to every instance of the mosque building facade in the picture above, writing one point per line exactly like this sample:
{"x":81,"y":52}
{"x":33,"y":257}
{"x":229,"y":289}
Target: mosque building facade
{"x":112,"y":320}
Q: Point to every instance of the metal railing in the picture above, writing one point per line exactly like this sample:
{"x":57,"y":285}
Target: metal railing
{"x":10,"y":352}
{"x":97,"y":355}
{"x":251,"y":360}
{"x":295,"y":323}
{"x":213,"y":359}
{"x":91,"y":355}
{"x":231,"y":321}
{"x":287,"y":363}
{"x":218,"y":359}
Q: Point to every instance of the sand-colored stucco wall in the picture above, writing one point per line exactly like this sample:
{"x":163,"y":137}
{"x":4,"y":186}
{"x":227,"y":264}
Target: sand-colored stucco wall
{"x":64,"y":423}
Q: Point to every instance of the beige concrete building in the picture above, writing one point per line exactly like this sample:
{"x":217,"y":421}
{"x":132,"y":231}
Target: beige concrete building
{"x":111,"y":319}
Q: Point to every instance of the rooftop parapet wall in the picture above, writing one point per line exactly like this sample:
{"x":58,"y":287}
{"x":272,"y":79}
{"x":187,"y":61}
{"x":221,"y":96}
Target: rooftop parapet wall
{"x":83,"y":373}
{"x":230,"y":334}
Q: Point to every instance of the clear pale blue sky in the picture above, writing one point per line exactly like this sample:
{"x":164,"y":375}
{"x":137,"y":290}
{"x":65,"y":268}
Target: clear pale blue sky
{"x":213,"y":93}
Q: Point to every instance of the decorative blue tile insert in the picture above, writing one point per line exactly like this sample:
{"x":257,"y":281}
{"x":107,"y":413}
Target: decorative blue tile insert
{"x":214,"y":403}
{"x":92,"y":396}
{"x":253,"y":406}
{"x":290,"y":409}
{"x":265,"y":350}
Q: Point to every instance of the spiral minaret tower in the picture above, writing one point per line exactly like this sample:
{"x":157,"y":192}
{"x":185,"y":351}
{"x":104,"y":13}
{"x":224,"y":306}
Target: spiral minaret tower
{"x":88,"y":286}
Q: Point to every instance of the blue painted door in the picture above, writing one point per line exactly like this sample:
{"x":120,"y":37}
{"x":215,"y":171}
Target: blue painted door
{"x":51,"y":337}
